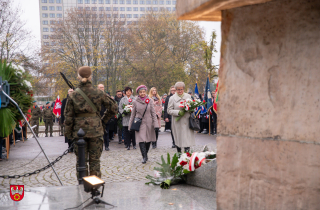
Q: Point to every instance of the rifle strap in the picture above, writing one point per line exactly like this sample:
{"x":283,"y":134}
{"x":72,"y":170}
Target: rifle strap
{"x":87,"y":99}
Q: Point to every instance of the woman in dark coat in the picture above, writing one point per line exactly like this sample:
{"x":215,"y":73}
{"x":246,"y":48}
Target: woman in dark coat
{"x":149,"y":123}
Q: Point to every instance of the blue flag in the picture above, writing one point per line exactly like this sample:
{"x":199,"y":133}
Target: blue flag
{"x":207,"y":95}
{"x":196,"y":91}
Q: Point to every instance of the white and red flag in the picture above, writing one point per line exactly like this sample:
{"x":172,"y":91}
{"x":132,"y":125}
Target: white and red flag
{"x":57,"y":107}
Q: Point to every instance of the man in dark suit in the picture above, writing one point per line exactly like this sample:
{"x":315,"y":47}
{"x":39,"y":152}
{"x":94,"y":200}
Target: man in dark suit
{"x":64,"y":101}
{"x":167,"y":117}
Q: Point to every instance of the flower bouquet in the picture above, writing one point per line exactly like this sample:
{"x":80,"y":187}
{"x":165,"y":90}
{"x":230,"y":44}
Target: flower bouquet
{"x":174,"y":172}
{"x":189,"y":106}
{"x":127,"y":109}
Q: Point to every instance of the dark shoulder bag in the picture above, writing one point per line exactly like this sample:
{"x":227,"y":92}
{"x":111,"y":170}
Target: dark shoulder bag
{"x":135,"y":126}
{"x":194,"y":123}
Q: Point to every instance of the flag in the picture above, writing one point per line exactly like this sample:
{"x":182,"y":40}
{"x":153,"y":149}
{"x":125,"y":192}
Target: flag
{"x":57,"y":107}
{"x":196,"y":91}
{"x":216,"y":98}
{"x":207,"y":95}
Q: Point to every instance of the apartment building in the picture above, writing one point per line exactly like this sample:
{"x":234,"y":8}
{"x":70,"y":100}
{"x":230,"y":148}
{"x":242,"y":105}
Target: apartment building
{"x":55,"y":10}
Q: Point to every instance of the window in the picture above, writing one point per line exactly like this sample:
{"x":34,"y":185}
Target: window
{"x":115,"y":16}
{"x":51,"y":1}
{"x":115,"y":8}
{"x":107,"y":1}
{"x":155,"y":8}
{"x":44,"y":1}
{"x":128,"y":1}
{"x":101,"y":15}
{"x":80,"y":8}
{"x":121,"y":2}
{"x":46,"y":44}
{"x":129,"y":9}
{"x":80,"y":1}
{"x":59,"y":15}
{"x":52,"y":29}
{"x":149,"y":8}
{"x":142,"y":9}
{"x":45,"y":29}
{"x":135,"y":16}
{"x":93,"y":1}
{"x":168,"y":8}
{"x":44,"y":8}
{"x":108,"y":8}
{"x":52,"y":15}
{"x":44,"y":15}
{"x":129,"y":16}
{"x":53,"y":43}
{"x":122,"y":16}
{"x":162,"y":8}
{"x":87,"y":1}
{"x":59,"y":8}
{"x":94,"y":8}
{"x":148,"y":2}
{"x":135,"y":8}
{"x":142,"y":15}
{"x":168,"y":2}
{"x":115,"y":1}
{"x":101,"y":1}
{"x":122,"y":9}
{"x":174,"y":2}
{"x":51,"y":8}
{"x":161,"y":2}
{"x":101,"y":8}
{"x":59,"y":22}
{"x":173,"y":9}
{"x":52,"y":22}
{"x":87,"y":8}
{"x":45,"y":36}
{"x":141,"y":1}
{"x":45,"y":22}
{"x":129,"y":22}
{"x":58,"y":1}
{"x":135,"y":1}
{"x":108,"y":16}
{"x":155,"y":2}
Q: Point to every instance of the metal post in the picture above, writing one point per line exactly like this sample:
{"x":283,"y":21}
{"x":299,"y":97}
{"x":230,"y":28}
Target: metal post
{"x":81,"y":156}
{"x":31,"y":131}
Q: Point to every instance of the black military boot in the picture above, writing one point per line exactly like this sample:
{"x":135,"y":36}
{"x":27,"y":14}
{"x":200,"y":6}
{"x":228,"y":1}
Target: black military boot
{"x":46,"y":135}
{"x":187,"y":149}
{"x":51,"y":135}
{"x":178,"y":149}
{"x":143,"y":150}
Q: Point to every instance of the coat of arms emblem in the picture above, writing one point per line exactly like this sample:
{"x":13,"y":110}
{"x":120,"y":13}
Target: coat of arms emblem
{"x":16,"y":192}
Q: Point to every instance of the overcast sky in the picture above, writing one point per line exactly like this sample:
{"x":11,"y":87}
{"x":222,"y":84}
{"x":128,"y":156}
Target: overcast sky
{"x":30,"y":13}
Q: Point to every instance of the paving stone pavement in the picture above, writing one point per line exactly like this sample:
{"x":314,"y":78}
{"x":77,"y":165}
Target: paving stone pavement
{"x":117,"y":165}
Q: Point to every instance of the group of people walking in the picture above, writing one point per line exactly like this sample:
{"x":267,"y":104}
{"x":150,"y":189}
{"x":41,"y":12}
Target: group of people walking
{"x":90,"y":108}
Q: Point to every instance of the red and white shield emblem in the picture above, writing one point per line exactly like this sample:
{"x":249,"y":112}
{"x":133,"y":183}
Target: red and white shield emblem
{"x":16,"y":192}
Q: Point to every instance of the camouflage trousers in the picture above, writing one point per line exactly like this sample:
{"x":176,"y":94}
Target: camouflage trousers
{"x":93,"y":150}
{"x":35,"y":122}
{"x":48,"y":123}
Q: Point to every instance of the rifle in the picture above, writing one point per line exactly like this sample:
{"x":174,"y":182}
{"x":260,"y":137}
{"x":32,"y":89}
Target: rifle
{"x":67,"y":81}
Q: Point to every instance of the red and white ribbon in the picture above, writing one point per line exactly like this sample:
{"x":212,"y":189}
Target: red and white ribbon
{"x":192,"y":161}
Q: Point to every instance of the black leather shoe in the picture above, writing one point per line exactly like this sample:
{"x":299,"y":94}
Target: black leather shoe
{"x":173,"y":146}
{"x":119,"y":142}
{"x":128,"y":148}
{"x":51,"y":135}
{"x":107,"y":149}
{"x":46,"y":135}
{"x":134,"y":147}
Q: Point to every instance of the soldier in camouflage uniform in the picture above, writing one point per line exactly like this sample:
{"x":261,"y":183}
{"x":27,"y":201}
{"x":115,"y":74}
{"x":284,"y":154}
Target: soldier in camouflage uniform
{"x":36,"y":115}
{"x":48,"y":118}
{"x":80,"y":114}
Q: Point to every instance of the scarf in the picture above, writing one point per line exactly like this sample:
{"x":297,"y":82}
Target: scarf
{"x":180,"y":95}
{"x":144,"y":98}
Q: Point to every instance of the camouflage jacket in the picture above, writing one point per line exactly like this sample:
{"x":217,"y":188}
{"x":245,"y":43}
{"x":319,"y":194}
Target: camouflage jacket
{"x":48,"y":113}
{"x":76,"y":105}
{"x":36,"y":113}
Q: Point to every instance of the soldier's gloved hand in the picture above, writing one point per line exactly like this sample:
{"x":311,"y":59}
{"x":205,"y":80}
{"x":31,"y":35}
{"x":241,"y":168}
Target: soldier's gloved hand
{"x":156,"y":129}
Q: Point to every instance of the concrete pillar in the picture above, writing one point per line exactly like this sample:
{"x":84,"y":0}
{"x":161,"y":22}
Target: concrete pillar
{"x":268,"y":148}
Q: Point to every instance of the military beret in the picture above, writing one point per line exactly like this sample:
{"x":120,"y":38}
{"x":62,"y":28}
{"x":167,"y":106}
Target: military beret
{"x":34,"y":101}
{"x":48,"y":103}
{"x":84,"y":71}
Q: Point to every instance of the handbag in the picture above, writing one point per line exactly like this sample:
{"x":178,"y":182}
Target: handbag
{"x":194,"y":123}
{"x":135,"y":126}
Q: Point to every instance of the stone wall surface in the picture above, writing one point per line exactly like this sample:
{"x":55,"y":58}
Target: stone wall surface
{"x":268,"y":149}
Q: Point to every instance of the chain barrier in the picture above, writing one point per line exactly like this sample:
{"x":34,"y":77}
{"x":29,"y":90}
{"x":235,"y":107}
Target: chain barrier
{"x":39,"y":170}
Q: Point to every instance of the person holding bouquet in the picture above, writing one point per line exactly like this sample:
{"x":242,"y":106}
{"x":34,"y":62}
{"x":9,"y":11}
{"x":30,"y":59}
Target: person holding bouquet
{"x":124,"y":109}
{"x":143,"y":108}
{"x":183,"y":135}
{"x":153,"y":94}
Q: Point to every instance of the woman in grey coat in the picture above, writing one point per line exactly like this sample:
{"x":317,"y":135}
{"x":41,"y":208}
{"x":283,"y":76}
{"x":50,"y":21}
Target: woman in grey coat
{"x":183,"y":135}
{"x":129,"y":136}
{"x":149,"y":123}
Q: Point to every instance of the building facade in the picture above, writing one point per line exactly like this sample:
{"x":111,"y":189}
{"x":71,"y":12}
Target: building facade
{"x":52,"y":11}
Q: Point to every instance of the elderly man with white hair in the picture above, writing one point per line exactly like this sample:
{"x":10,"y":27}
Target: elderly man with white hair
{"x":183,"y":135}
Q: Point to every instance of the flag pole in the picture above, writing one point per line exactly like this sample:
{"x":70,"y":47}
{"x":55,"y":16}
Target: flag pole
{"x":209,"y":109}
